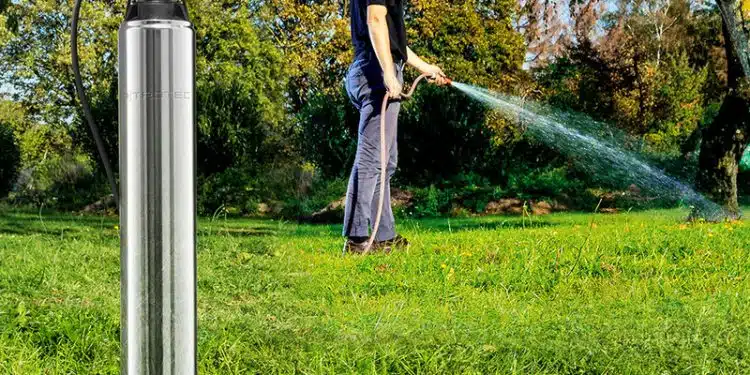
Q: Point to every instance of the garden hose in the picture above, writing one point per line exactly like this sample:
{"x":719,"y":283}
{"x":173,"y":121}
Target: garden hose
{"x":85,"y":104}
{"x":384,"y":157}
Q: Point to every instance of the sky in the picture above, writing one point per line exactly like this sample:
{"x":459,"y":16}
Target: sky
{"x":5,"y":89}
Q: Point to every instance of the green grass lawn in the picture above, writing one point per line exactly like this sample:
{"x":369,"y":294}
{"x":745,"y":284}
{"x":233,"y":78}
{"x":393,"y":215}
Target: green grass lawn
{"x":636,"y":293}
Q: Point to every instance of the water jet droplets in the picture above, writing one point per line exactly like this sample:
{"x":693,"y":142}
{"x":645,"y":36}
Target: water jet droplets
{"x":595,"y":148}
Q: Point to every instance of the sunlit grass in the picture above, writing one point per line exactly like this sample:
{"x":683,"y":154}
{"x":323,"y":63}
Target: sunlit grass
{"x":638,"y":293}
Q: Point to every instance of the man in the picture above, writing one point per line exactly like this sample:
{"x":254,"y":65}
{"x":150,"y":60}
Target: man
{"x":379,"y":38}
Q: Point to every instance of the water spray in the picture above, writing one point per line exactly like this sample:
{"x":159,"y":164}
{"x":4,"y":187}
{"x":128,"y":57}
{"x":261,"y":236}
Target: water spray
{"x":157,"y":169}
{"x":593,"y":154}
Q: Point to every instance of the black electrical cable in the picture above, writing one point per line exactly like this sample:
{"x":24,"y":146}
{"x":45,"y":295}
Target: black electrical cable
{"x":85,"y":104}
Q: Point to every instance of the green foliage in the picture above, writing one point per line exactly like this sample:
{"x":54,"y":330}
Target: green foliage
{"x":474,"y":41}
{"x":39,"y":142}
{"x":51,"y":170}
{"x":430,"y":202}
{"x":35,"y":59}
{"x":673,"y":104}
{"x":319,"y":195}
{"x":313,"y":37}
{"x":580,"y":81}
{"x":561,"y":81}
{"x":745,"y":162}
{"x":544,"y":183}
{"x":231,"y":190}
{"x":104,"y":111}
{"x":664,"y":103}
{"x":452,"y":200}
{"x":471,"y":193}
{"x":281,"y":190}
{"x":240,"y":83}
{"x":10,"y":159}
{"x":328,"y":137}
{"x":64,"y":181}
{"x":442,"y":134}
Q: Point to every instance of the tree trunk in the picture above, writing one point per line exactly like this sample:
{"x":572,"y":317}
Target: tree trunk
{"x":724,"y":141}
{"x":721,"y":150}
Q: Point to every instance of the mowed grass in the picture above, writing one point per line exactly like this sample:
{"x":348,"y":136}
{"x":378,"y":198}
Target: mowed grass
{"x":635,"y":293}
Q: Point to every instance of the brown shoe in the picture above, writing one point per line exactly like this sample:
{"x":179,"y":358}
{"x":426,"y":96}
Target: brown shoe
{"x":356,"y":247}
{"x":396,"y":243}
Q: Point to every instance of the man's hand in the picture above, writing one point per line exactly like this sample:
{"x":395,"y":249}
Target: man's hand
{"x":392,"y":84}
{"x":436,"y":75}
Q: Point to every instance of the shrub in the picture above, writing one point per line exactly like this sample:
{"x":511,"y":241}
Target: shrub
{"x":443,"y":133}
{"x":231,"y":190}
{"x":429,"y":202}
{"x":321,"y":194}
{"x":544,"y":183}
{"x":329,"y":133}
{"x":64,"y":181}
{"x":467,"y":193}
{"x":282,"y":190}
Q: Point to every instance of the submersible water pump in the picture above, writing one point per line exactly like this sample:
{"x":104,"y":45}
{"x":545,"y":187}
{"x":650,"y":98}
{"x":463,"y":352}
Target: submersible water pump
{"x":157,"y":170}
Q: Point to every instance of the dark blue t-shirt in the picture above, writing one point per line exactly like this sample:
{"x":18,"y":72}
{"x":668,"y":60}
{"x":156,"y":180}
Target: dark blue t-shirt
{"x":396,"y":28}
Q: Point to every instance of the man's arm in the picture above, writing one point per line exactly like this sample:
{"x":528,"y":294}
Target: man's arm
{"x":377,"y":24}
{"x":419,"y":64}
{"x":415,"y":61}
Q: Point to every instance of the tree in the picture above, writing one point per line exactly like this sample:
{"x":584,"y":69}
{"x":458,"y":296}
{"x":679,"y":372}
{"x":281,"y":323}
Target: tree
{"x":544,"y":29}
{"x":550,"y":27}
{"x":35,"y":61}
{"x":241,"y":81}
{"x":725,"y":140}
{"x":639,"y":71}
{"x":313,"y":36}
{"x":474,"y":41}
{"x":240,"y":77}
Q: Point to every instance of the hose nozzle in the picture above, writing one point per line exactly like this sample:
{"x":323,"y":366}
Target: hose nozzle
{"x":448,"y":81}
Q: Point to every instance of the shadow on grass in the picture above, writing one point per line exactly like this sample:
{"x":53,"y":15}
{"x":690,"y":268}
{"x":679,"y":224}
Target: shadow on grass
{"x":27,"y":223}
{"x":468,"y":225}
{"x":57,"y":218}
{"x":24,"y":223}
{"x":55,"y":229}
{"x":237,"y":232}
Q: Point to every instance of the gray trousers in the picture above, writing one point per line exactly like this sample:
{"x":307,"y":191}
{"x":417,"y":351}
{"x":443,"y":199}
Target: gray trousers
{"x":366,"y":89}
